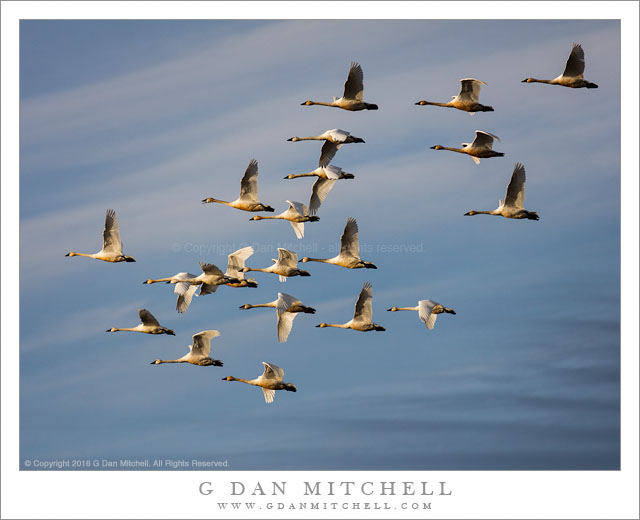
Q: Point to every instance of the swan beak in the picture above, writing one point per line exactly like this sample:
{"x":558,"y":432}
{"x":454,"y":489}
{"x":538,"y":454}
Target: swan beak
{"x":290,"y":139}
{"x":433,"y":147}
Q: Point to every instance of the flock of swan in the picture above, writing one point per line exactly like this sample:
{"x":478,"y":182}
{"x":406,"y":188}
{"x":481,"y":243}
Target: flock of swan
{"x":286,"y":265}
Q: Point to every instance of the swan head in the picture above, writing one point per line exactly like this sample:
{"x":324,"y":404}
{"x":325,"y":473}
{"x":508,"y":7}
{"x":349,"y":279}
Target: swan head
{"x":322,"y":325}
{"x":207,"y":200}
{"x":290,"y":176}
{"x":229,"y":378}
{"x":256,"y":217}
{"x":436,"y":147}
{"x":470,"y":213}
{"x":156,"y":362}
{"x":70,"y":254}
{"x":421,"y":103}
{"x":294,"y":139}
{"x":305,"y":259}
{"x":147,"y":281}
{"x":393,"y":309}
{"x":527,"y":80}
{"x":307,"y":103}
{"x":112,"y":329}
{"x":244,"y":270}
{"x":289,"y":387}
{"x":245,"y":306}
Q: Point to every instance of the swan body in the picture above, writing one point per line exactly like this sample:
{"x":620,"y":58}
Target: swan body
{"x":287,"y":308}
{"x":111,"y":244}
{"x":199,"y":353}
{"x":149,"y":325}
{"x":467,"y":98}
{"x":362,"y":315}
{"x":511,"y":206}
{"x":235,"y":264}
{"x":297,"y":214}
{"x":270,"y":381}
{"x":573,"y":75}
{"x":480,"y":148}
{"x":333,"y":141}
{"x":349,"y":256}
{"x":427,"y":311}
{"x":353,"y":93}
{"x":248,"y":199}
{"x":284,"y":266}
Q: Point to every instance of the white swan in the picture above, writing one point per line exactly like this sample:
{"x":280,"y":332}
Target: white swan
{"x":235,"y":264}
{"x":333,"y":141}
{"x":287,"y":308}
{"x":297,"y":214}
{"x":111,"y":244}
{"x":467,"y":98}
{"x":199,"y":353}
{"x":349,"y":256}
{"x":326,"y":177}
{"x":149,"y":325}
{"x":511,"y":206}
{"x":427,"y":311}
{"x":353,"y":93}
{"x":186,"y":284}
{"x":480,"y":148}
{"x":573,"y":72}
{"x":269,"y":381}
{"x":248,"y":199}
{"x":284,"y":266}
{"x":362,"y":315}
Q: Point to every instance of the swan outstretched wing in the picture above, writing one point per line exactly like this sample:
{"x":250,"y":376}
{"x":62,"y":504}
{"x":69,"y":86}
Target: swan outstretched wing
{"x":236,"y":262}
{"x":184,"y":299}
{"x":206,"y":288}
{"x":327,"y":152}
{"x":575,"y":63}
{"x":211,"y":269}
{"x":287,"y":258}
{"x":285,"y":324}
{"x":202,"y":342}
{"x":319,"y":192}
{"x":484,"y":140}
{"x":349,"y":245}
{"x":424,"y":311}
{"x":147,"y":318}
{"x":515,"y":189}
{"x":470,"y":89}
{"x":272,"y":371}
{"x":298,"y":207}
{"x":249,"y":183}
{"x":354,"y":86}
{"x":364,"y":310}
{"x":298,"y":228}
{"x":111,"y":235}
{"x":269,"y":395}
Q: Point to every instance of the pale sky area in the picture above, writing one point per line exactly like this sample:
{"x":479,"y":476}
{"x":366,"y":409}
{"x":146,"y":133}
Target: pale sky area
{"x":149,"y":118}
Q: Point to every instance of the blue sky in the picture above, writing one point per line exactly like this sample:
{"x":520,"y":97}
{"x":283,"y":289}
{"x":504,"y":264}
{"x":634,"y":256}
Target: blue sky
{"x":149,"y":118}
